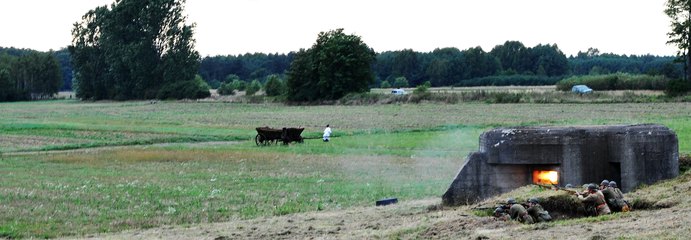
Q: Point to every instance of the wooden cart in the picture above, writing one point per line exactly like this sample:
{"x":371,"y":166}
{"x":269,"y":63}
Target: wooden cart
{"x":267,"y":136}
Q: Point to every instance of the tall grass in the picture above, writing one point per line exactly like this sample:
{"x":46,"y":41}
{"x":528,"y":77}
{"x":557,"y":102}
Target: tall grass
{"x":510,"y":80}
{"x":616,"y":81}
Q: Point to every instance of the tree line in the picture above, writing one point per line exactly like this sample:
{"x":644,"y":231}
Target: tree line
{"x":143,"y":49}
{"x":250,"y":66}
{"x":592,"y":62}
{"x":28,"y":75}
{"x":511,"y":63}
{"x":62,"y":56}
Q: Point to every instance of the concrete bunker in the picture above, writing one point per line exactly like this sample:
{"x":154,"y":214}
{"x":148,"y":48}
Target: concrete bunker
{"x":509,"y":158}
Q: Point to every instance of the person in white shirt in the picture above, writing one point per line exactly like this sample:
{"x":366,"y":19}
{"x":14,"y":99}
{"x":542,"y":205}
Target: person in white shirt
{"x":327,"y":133}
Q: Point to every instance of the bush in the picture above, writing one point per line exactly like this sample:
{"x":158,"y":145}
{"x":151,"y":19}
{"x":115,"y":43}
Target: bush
{"x":400,"y":82}
{"x":421,"y":92}
{"x":238,"y":84}
{"x":505,"y":97}
{"x":684,"y":163}
{"x":226,"y":89}
{"x":253,"y":88}
{"x":231,"y":78}
{"x":422,"y":88}
{"x":385,"y":84}
{"x":361,"y":98}
{"x":678,"y":87}
{"x":214,"y":84}
{"x":616,"y":81}
{"x":229,"y":88}
{"x":192,"y":89}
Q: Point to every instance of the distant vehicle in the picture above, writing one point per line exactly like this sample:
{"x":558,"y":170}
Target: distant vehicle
{"x":398,"y":92}
{"x":581,"y":89}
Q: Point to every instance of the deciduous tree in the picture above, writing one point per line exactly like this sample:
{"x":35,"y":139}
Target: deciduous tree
{"x":680,"y":35}
{"x":135,"y":49}
{"x":337,"y":64}
{"x":274,"y":86}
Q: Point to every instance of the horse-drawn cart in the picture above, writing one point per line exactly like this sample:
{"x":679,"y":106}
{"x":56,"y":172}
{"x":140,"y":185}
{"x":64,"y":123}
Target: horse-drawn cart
{"x":268,"y":136}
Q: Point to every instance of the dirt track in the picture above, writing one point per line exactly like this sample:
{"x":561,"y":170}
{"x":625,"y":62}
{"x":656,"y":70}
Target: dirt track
{"x":141,"y":146}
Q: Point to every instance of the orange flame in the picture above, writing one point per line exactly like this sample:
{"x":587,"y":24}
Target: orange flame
{"x":545,"y":177}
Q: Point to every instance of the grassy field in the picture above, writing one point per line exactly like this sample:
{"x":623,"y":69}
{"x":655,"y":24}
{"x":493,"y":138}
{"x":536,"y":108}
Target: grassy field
{"x":404,"y":151}
{"x":70,"y":124}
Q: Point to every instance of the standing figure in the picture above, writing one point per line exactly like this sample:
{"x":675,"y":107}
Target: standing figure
{"x":327,"y":133}
{"x":595,"y":201}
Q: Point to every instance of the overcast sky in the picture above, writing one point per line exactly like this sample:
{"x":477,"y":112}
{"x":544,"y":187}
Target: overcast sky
{"x":280,"y":26}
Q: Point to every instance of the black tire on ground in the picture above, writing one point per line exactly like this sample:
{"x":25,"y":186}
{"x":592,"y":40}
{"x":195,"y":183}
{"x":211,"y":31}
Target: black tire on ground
{"x":259,"y":139}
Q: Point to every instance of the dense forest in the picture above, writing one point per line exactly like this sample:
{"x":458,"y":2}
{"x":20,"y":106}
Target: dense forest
{"x":509,"y":64}
{"x":247,"y":67}
{"x":28,"y":75}
{"x":62,"y":55}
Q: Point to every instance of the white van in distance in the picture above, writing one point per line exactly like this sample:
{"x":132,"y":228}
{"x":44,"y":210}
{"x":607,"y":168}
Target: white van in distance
{"x":398,"y":92}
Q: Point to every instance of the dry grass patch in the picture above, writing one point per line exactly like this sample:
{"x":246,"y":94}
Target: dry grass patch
{"x":664,"y":194}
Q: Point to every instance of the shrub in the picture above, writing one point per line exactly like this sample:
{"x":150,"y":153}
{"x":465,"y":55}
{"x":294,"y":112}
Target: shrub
{"x":238,"y":84}
{"x":422,"y":88}
{"x":385,"y":84}
{"x":226,"y":89}
{"x":361,"y":98}
{"x":192,"y":89}
{"x":421,"y":92}
{"x":684,"y":163}
{"x":400,"y":82}
{"x":678,"y":87}
{"x":253,"y":88}
{"x":505,"y":97}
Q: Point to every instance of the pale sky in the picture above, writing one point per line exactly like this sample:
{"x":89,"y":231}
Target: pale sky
{"x":280,"y":26}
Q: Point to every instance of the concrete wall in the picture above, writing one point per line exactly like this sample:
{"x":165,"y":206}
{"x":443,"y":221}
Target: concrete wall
{"x":631,"y":155}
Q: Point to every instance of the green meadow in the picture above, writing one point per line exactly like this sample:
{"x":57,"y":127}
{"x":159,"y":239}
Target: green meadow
{"x":132,"y":165}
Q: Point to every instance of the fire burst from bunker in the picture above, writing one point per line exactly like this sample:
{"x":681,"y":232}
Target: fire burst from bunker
{"x":545,"y":177}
